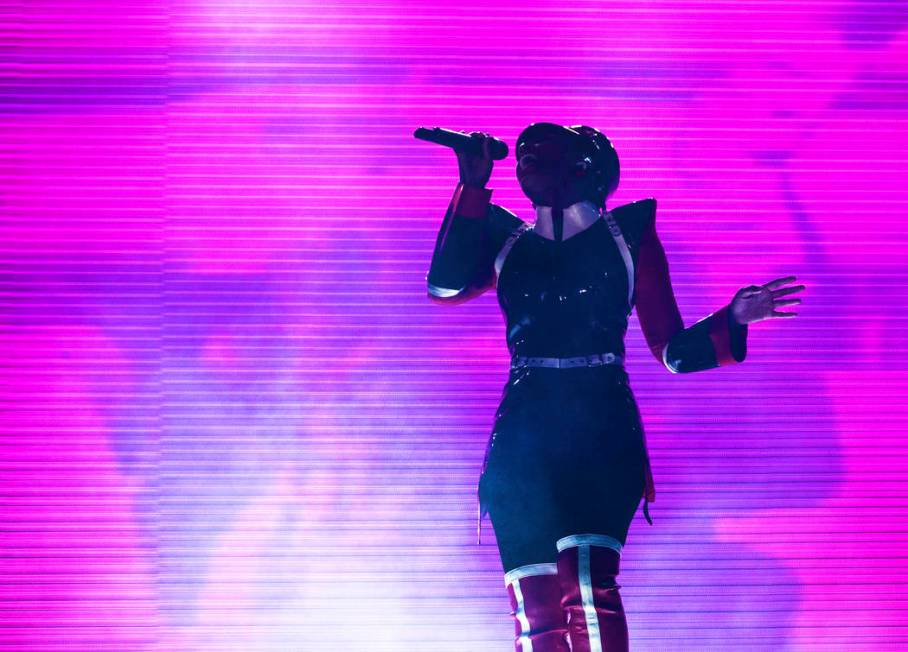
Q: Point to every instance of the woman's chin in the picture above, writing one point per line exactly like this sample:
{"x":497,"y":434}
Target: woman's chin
{"x":544,"y":194}
{"x":540,"y":197}
{"x":540,"y":200}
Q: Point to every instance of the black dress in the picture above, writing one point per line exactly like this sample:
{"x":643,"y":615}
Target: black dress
{"x":567,"y":453}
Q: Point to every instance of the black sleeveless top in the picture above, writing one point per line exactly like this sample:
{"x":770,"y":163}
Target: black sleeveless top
{"x":573,"y":297}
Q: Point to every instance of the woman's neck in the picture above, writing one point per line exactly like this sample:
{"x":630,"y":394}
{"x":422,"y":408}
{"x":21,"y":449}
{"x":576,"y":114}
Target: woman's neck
{"x":577,"y":217}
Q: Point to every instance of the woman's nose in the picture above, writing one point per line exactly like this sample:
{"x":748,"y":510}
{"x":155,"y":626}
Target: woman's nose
{"x":549,"y":149}
{"x":528,"y":162}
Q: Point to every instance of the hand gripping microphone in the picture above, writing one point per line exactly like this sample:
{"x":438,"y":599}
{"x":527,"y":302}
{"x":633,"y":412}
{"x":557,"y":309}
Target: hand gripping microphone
{"x":462,"y":142}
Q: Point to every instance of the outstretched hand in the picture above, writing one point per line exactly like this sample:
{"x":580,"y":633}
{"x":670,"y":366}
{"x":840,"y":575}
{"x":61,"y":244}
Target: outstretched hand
{"x":758,"y":302}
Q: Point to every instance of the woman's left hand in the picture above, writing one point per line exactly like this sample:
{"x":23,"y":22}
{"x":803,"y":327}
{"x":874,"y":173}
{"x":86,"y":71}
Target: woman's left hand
{"x":758,"y":302}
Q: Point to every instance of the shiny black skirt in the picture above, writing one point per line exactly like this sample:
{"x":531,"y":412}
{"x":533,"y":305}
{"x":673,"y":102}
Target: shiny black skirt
{"x":566,"y":456}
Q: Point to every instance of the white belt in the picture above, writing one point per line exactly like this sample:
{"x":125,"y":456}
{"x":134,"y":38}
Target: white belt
{"x":594,"y":360}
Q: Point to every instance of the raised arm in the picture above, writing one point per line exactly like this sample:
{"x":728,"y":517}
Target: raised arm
{"x":472,"y":233}
{"x":714,"y":341}
{"x":460,"y":268}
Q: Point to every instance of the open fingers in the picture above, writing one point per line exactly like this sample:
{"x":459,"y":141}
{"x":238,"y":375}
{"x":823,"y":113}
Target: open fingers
{"x":776,"y":313}
{"x":779,"y":281}
{"x":784,"y":291}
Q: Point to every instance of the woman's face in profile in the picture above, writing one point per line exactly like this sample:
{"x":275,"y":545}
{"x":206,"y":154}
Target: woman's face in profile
{"x":550,"y":168}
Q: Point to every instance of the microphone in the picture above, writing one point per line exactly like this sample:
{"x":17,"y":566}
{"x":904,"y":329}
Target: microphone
{"x":498,"y":149}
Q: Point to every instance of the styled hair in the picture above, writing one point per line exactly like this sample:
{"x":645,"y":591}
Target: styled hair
{"x":606,"y":168}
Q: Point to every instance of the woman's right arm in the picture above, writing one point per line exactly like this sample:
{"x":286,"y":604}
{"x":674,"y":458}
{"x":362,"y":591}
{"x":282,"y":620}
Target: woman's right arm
{"x":459,"y":269}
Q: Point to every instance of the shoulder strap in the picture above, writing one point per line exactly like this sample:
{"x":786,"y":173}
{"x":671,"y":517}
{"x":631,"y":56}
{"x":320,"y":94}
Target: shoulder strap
{"x":506,"y":248}
{"x":625,"y":254}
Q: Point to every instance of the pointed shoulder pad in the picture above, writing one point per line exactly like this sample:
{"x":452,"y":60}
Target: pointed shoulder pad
{"x":502,"y":222}
{"x":636,"y":217}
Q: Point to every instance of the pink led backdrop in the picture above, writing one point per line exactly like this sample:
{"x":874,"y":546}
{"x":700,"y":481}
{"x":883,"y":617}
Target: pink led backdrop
{"x":233,"y":421}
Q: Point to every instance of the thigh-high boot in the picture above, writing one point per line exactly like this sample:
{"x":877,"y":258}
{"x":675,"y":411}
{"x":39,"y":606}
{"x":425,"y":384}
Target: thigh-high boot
{"x":535,"y":595}
{"x":587,"y":568}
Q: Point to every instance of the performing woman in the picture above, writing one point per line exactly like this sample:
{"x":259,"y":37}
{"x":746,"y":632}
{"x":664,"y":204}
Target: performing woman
{"x":567,"y":462}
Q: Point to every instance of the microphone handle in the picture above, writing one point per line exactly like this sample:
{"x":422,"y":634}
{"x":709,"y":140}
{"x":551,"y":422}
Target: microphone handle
{"x":459,"y":142}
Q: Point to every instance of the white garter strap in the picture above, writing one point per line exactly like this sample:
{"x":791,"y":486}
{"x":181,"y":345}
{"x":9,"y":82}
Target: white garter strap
{"x":575,"y":540}
{"x":528,"y":570}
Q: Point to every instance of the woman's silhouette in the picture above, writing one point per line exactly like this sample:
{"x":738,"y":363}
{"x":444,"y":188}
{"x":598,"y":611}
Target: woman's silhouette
{"x":567,"y":462}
